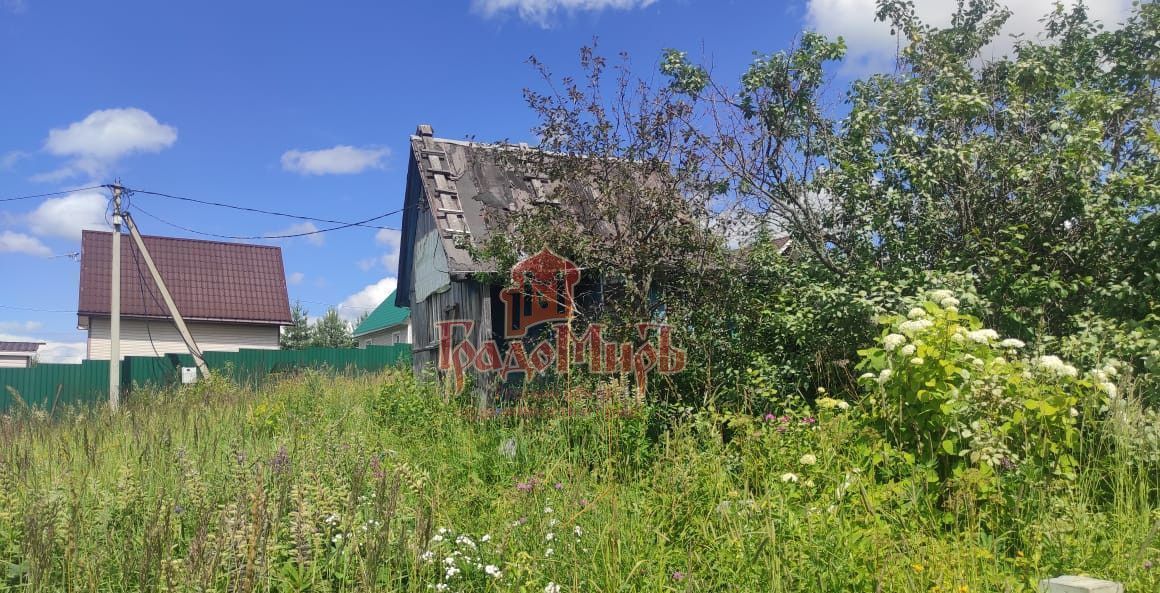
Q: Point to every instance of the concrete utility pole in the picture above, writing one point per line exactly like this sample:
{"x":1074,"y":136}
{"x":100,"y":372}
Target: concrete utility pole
{"x":115,"y":305}
{"x":178,"y":320}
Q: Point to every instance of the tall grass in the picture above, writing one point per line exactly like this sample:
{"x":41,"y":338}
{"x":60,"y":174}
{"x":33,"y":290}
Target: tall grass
{"x":371,"y":483}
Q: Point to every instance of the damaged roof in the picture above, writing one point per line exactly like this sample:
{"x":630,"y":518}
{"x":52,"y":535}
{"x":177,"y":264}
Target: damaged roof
{"x":464,"y":186}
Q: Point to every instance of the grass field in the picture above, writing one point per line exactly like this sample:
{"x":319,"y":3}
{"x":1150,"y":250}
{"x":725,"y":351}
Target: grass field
{"x":373,"y":483}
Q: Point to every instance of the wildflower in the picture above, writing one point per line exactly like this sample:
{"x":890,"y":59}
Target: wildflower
{"x":451,"y":571}
{"x":983,"y":336}
{"x":441,"y":587}
{"x":1055,"y":365}
{"x":1012,"y":343}
{"x":770,"y":417}
{"x":548,"y":553}
{"x":280,"y":463}
{"x":916,"y":313}
{"x":463,"y":540}
{"x":914,"y":326}
{"x":525,"y":487}
{"x":332,"y":519}
{"x":486,"y":538}
{"x":809,"y":420}
{"x":884,"y":376}
{"x":550,"y":536}
{"x":436,"y":538}
{"x":493,"y":571}
{"x":1109,"y":388}
{"x":917,"y":361}
{"x":552,"y":523}
{"x":449,"y":561}
{"x":829,"y":403}
{"x":964,"y":589}
{"x":547,"y":510}
{"x":678,"y":575}
{"x":808,"y":459}
{"x":578,"y":531}
{"x":892,"y":341}
{"x":551,"y":588}
{"x":583,"y":502}
{"x":949,"y":303}
{"x":427,"y":557}
{"x":559,"y":486}
{"x":908,"y":350}
{"x":866,"y":376}
{"x":940,"y":295}
{"x":917,"y":567}
{"x":843,"y":405}
{"x":337,"y":539}
{"x":789,"y":477}
{"x":1073,"y":412}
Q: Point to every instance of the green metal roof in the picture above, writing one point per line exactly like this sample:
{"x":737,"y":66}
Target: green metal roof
{"x":384,"y":316}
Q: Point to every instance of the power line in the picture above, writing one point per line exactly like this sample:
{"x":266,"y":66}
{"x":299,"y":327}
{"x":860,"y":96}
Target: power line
{"x":35,"y":310}
{"x":261,"y":211}
{"x":55,"y":193}
{"x":259,"y":237}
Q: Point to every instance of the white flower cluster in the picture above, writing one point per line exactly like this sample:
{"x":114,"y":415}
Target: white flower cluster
{"x":983,"y":336}
{"x":1012,"y":343}
{"x":892,"y":341}
{"x":1054,"y":365}
{"x":915,"y":326}
{"x":1103,"y":378}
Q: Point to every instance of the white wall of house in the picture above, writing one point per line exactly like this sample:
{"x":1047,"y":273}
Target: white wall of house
{"x":14,"y":361}
{"x":210,"y":337}
{"x":396,"y":334}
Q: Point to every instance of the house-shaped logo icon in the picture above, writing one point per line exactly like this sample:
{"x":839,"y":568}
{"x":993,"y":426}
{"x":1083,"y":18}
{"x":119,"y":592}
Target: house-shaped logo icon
{"x":541,"y":292}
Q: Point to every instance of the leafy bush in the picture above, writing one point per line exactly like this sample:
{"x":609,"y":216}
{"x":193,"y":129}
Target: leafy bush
{"x":955,"y":394}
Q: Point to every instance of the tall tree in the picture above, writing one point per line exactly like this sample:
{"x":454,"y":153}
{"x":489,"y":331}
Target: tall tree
{"x":331,"y":331}
{"x":299,"y":334}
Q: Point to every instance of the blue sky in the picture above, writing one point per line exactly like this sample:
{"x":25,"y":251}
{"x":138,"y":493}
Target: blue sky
{"x":305,"y":107}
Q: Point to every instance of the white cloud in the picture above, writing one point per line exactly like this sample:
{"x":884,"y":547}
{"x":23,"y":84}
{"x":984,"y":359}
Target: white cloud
{"x":544,"y":12}
{"x":102,"y":138}
{"x":872,"y":47}
{"x":67,"y":216}
{"x":316,"y":239}
{"x":11,"y":242}
{"x":10,"y":158}
{"x":340,"y":160}
{"x":295,"y":278}
{"x":367,"y":299}
{"x":19,"y":326}
{"x":63,"y":352}
{"x":391,"y":239}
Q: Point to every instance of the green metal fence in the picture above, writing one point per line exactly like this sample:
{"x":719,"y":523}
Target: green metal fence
{"x":52,"y":385}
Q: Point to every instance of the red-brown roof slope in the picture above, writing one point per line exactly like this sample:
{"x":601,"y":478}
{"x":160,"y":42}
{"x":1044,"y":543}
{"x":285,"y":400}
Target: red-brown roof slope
{"x":209,"y":280}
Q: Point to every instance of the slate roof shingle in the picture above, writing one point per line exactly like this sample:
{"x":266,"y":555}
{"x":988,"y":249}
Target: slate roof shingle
{"x":209,"y":280}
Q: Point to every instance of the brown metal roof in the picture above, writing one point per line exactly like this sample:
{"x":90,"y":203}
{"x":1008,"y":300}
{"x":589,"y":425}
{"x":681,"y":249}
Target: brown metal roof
{"x":209,"y":280}
{"x":20,"y":346}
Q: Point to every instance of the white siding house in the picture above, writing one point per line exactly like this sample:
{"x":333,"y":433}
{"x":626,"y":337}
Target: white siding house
{"x":232,"y":296}
{"x":18,"y":355}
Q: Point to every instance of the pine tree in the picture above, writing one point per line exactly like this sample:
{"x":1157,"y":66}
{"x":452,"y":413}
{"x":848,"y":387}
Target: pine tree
{"x":331,"y":331}
{"x":299,"y":335}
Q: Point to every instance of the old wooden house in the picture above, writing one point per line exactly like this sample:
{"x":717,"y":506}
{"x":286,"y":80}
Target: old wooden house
{"x":451,"y":187}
